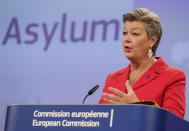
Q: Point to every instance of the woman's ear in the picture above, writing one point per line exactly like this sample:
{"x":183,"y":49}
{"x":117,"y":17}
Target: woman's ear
{"x":153,"y":40}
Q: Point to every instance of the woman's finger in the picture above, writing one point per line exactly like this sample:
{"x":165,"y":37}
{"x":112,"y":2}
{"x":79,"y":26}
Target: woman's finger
{"x":110,"y":100}
{"x":112,"y":97}
{"x":116,"y":91}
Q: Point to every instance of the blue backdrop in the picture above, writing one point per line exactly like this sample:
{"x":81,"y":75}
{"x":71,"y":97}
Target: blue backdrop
{"x":53,"y":52}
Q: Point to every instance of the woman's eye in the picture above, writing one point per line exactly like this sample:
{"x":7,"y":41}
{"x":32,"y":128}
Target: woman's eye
{"x":135,"y":34}
{"x":124,"y":33}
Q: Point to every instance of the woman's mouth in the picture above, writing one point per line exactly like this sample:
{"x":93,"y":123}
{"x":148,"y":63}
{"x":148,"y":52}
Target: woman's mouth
{"x":127,"y":49}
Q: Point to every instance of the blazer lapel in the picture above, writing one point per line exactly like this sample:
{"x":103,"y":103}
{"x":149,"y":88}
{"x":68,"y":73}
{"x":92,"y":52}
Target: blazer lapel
{"x":155,"y":71}
{"x":146,"y":78}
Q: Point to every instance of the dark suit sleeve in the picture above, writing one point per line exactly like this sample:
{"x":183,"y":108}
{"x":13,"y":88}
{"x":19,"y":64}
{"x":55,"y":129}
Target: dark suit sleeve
{"x":174,"y":94}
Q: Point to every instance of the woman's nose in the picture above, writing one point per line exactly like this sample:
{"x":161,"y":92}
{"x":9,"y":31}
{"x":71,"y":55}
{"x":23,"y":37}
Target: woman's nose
{"x":127,"y":38}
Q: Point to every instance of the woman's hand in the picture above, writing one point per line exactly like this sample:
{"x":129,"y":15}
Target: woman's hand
{"x":121,"y":98}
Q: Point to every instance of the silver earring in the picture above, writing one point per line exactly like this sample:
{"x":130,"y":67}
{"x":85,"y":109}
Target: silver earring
{"x":150,"y":53}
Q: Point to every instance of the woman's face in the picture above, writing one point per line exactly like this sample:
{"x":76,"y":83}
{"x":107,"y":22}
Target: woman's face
{"x":135,"y":40}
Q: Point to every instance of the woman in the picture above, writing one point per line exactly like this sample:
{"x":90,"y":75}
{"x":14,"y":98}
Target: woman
{"x":146,"y":78}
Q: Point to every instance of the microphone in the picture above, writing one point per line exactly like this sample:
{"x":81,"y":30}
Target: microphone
{"x":90,"y":92}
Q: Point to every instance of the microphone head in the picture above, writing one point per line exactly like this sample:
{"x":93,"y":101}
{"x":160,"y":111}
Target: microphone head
{"x":93,"y":90}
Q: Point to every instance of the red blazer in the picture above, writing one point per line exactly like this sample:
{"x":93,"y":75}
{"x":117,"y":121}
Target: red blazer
{"x":161,"y":83}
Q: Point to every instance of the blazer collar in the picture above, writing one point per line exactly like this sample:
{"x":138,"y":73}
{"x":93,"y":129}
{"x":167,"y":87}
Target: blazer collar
{"x":153,"y":72}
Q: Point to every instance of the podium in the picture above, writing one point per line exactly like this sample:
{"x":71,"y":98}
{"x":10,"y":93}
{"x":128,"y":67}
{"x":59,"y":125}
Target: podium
{"x":92,"y":118}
